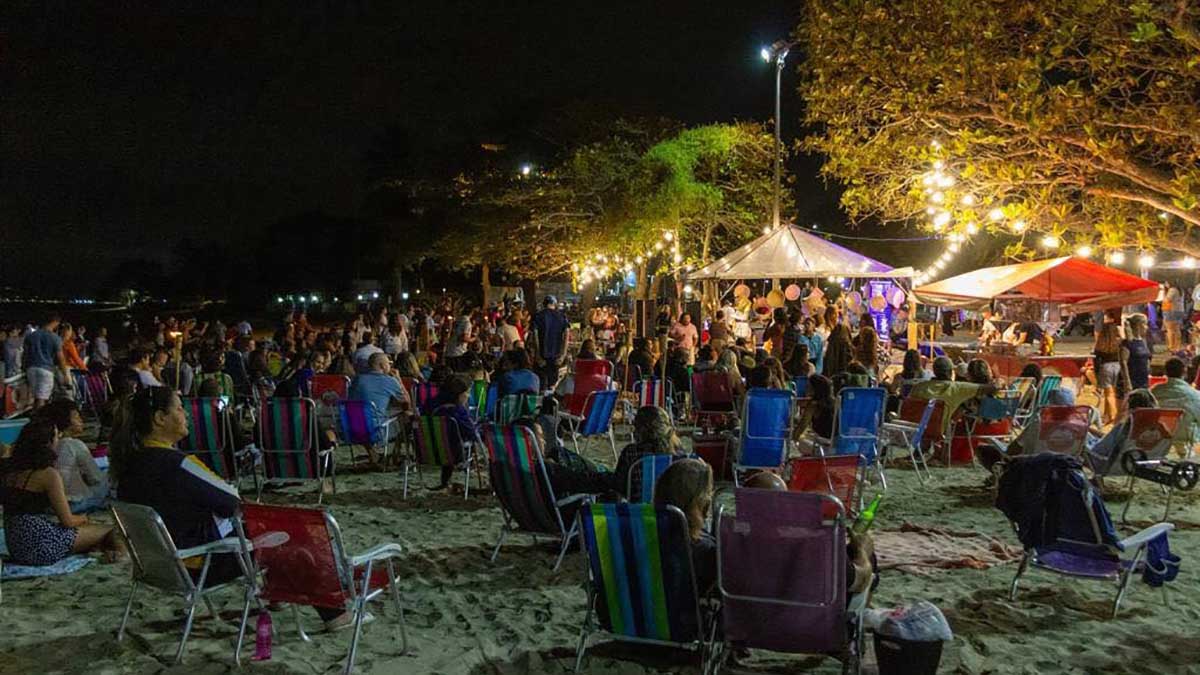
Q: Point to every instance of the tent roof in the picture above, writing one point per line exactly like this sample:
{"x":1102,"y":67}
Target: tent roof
{"x":1080,"y":284}
{"x":791,"y":252}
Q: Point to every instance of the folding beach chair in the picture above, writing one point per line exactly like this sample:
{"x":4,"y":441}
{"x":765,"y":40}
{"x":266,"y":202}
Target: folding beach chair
{"x":712,"y":396}
{"x":439,"y":441}
{"x":307,"y":564}
{"x":639,"y":486}
{"x":858,"y":421}
{"x":838,"y":476}
{"x":478,"y":400}
{"x":96,"y":390}
{"x":655,"y":392}
{"x":1063,"y":429}
{"x":591,"y":367}
{"x":210,"y":438}
{"x":1038,"y":399}
{"x":327,"y":389}
{"x":362,"y":423}
{"x":1082,"y":542}
{"x":423,"y":395}
{"x":158,"y":564}
{"x":575,"y":401}
{"x":781,"y":571}
{"x":287,"y":438}
{"x":1152,"y":433}
{"x":596,"y":419}
{"x":766,"y":432}
{"x":925,"y":435}
{"x":79,"y":386}
{"x":514,"y":406}
{"x":527,"y":500}
{"x":799,"y":385}
{"x":641,"y":586}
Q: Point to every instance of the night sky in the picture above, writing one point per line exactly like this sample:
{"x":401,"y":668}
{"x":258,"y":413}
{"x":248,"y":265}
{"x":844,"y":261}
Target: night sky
{"x":125,"y":128}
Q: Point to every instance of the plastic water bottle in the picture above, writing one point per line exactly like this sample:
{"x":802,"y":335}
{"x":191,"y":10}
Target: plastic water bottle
{"x":867,"y":517}
{"x":262,"y":638}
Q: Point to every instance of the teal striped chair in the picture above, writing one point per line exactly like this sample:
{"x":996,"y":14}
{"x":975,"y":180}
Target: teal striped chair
{"x":641,"y":586}
{"x":515,"y":406}
{"x":210,"y":439}
{"x":439,"y":441}
{"x":519,"y":479}
{"x":287,"y":437}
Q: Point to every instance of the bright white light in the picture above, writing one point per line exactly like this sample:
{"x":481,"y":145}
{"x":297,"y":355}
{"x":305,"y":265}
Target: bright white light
{"x":765,"y":54}
{"x":939,"y":265}
{"x":1084,"y":251}
{"x":360,"y":296}
{"x":935,"y":144}
{"x":526,"y":169}
{"x":677,"y":258}
{"x":1164,"y":215}
{"x":996,"y":215}
{"x":279,"y":300}
{"x":1189,"y":263}
{"x":972,"y":228}
{"x":1018,"y":226}
{"x":766,"y":229}
{"x":1050,"y":241}
{"x":375,"y":294}
{"x":1145,"y":260}
{"x":945,"y":181}
{"x":938,"y":164}
{"x":937,"y":197}
{"x":1117,"y":257}
{"x":687,"y":288}
{"x":668,"y":235}
{"x":953,"y":248}
{"x":928,"y":180}
{"x":930,"y":210}
{"x":941,"y":220}
{"x":968,"y":200}
{"x":658,"y":246}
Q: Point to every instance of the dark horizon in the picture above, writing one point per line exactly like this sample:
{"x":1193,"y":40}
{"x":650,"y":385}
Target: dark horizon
{"x":128,"y":131}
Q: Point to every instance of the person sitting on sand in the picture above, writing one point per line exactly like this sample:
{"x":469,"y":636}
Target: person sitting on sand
{"x":30,"y":489}
{"x":451,"y":401}
{"x":85,"y":484}
{"x":688,"y":486}
{"x":652,"y":435}
{"x":193,"y":502}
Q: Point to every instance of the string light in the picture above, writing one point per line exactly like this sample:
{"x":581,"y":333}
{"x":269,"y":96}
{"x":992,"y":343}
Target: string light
{"x":941,"y":220}
{"x":668,"y":235}
{"x":996,"y":215}
{"x":1084,"y":251}
{"x":1050,"y":241}
{"x":937,"y":197}
{"x":968,"y":200}
{"x":1018,"y":226}
{"x":1189,"y":263}
{"x":1146,"y":260}
{"x":1117,"y":257}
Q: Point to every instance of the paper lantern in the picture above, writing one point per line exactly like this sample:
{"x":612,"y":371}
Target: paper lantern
{"x":775,"y":298}
{"x":878,"y":303}
{"x":741,"y":290}
{"x":898,"y":298}
{"x":792,"y":292}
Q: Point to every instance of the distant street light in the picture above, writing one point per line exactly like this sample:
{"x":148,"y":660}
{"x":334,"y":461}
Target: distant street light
{"x":778,"y":53}
{"x":526,"y":169}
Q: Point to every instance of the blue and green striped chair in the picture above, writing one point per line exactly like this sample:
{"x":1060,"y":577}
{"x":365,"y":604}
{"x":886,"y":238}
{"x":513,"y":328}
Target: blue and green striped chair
{"x":439,"y":441}
{"x":210,"y":438}
{"x":287,"y":437}
{"x":641,"y":586}
{"x":645,"y":472}
{"x":522,"y":486}
{"x":515,"y":406}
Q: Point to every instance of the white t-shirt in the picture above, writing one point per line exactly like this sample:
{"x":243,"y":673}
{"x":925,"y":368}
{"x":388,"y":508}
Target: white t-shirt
{"x":510,"y":335}
{"x":362,"y":356}
{"x":459,"y":338}
{"x":147,"y":379}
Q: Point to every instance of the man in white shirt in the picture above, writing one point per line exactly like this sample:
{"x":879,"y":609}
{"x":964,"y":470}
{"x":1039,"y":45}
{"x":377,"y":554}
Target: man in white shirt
{"x":508,"y":333}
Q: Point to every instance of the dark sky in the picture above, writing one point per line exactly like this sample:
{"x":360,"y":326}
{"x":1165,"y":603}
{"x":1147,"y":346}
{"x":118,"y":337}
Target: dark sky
{"x":126,"y":126}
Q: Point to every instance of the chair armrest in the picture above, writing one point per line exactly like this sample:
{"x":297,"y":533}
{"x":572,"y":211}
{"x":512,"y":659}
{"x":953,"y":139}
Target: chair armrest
{"x":380,"y":552}
{"x":573,"y":498}
{"x":1145,"y":535}
{"x":226,"y":545}
{"x":570,"y":417}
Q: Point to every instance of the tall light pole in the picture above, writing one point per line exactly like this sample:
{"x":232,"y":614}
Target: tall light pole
{"x":778,"y":53}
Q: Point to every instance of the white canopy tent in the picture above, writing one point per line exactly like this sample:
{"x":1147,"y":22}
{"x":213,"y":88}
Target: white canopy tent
{"x":790,"y":252}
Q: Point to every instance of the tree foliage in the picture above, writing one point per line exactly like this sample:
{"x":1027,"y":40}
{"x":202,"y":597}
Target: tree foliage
{"x":1074,"y":116}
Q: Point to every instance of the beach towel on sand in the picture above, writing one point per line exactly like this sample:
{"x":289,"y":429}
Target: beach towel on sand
{"x":917,"y":549}
{"x":67,"y":565}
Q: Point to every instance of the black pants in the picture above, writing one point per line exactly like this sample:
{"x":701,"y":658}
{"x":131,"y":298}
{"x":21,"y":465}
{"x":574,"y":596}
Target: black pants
{"x":548,"y":373}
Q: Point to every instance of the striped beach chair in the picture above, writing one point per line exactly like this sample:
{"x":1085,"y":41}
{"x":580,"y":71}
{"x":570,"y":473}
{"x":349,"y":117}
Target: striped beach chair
{"x":644,"y":474}
{"x":210,"y":439}
{"x":287,"y":437}
{"x":327,"y":389}
{"x":596,"y":419}
{"x":361,"y":423}
{"x":655,"y":392}
{"x":438,"y":441}
{"x":527,"y":501}
{"x":641,"y":585}
{"x":97,"y":389}
{"x":515,"y":406}
{"x":423,"y":394}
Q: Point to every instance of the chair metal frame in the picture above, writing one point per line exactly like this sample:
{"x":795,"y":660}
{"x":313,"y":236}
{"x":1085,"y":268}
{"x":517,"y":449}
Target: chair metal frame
{"x":193,"y":591}
{"x":387,"y":425}
{"x":1150,"y":457}
{"x":554,"y":503}
{"x":744,"y":435}
{"x":574,"y":422}
{"x":874,"y":439}
{"x":469,"y":456}
{"x":591,"y":626}
{"x":346,"y":564}
{"x":914,"y":437}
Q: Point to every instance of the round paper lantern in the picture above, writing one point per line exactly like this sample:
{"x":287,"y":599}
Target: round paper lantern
{"x":898,"y":298}
{"x":792,"y":292}
{"x":854,"y":300}
{"x":878,"y":303}
{"x":775,"y":298}
{"x":741,"y":290}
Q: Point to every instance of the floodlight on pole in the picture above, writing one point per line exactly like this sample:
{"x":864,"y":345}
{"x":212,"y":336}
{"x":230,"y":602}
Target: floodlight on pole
{"x":777,"y":52}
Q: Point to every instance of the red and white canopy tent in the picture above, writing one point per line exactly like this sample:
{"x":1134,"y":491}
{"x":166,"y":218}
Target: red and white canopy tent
{"x":1076,"y":284}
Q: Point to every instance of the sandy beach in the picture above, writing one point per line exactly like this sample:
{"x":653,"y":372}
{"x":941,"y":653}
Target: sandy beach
{"x":467,"y":615}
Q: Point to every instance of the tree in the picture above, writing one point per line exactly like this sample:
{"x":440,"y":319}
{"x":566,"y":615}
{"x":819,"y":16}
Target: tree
{"x":1074,"y":117}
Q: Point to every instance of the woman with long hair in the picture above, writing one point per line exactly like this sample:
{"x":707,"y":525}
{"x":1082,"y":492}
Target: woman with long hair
{"x":688,"y":486}
{"x":839,"y":351}
{"x":866,"y":348}
{"x":30,"y":489}
{"x":1107,"y":357}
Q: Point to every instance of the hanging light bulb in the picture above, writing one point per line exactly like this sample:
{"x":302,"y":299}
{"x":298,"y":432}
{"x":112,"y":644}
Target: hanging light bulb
{"x":1018,"y":226}
{"x":928,"y":180}
{"x":929,"y":210}
{"x":996,"y":215}
{"x":1117,"y":257}
{"x":1084,"y":251}
{"x":1188,"y":263}
{"x":658,"y":246}
{"x":938,"y":164}
{"x":1050,"y":241}
{"x":945,"y":181}
{"x":766,"y":229}
{"x":668,"y":235}
{"x":1146,"y":260}
{"x":953,"y":248}
{"x":968,"y":200}
{"x":972,"y":228}
{"x":937,"y":197}
{"x":638,"y":260}
{"x":941,"y":220}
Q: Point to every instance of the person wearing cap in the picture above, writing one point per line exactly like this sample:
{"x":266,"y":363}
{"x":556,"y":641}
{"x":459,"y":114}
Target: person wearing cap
{"x":549,"y":338}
